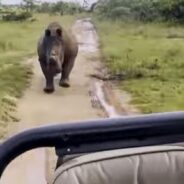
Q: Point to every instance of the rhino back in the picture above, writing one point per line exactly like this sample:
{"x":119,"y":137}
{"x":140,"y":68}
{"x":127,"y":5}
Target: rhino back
{"x":70,"y":43}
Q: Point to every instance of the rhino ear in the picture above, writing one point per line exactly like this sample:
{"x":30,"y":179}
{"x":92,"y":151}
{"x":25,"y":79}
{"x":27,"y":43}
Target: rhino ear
{"x":47,"y":32}
{"x":59,"y":32}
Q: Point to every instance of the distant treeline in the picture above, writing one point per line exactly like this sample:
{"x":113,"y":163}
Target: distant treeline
{"x":26,"y":10}
{"x":59,"y":7}
{"x":143,"y":10}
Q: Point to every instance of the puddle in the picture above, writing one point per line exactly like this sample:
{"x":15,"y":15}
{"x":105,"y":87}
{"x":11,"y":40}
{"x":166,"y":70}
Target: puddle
{"x":110,"y":110}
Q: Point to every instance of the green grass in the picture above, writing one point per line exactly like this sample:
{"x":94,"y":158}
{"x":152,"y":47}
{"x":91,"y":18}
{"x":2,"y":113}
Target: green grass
{"x":150,"y":58}
{"x":18,"y":41}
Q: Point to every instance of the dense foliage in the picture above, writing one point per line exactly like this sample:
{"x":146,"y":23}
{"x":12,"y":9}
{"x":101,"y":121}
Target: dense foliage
{"x":144,"y":10}
{"x":59,"y":7}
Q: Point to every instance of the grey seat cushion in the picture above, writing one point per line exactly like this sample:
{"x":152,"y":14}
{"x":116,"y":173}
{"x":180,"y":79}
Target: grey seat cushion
{"x":148,"y":165}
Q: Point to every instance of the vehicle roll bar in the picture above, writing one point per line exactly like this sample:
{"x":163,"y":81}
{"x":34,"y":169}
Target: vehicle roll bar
{"x":97,"y":135}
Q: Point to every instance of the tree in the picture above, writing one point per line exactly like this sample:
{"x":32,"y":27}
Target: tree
{"x":44,"y":7}
{"x":29,"y":5}
{"x":59,"y":7}
{"x":85,"y":3}
{"x":93,"y":6}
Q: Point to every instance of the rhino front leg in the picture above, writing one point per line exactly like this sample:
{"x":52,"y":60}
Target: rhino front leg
{"x":66,"y":70}
{"x":49,"y":86}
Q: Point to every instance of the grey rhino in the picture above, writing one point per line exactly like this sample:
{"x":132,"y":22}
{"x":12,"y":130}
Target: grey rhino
{"x":57,"y":51}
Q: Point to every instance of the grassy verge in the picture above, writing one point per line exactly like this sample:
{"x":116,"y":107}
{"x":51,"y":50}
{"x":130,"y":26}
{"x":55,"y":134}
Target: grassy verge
{"x":150,"y":59}
{"x":17,"y":41}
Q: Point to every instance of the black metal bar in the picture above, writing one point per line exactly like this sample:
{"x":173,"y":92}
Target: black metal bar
{"x":97,"y":135}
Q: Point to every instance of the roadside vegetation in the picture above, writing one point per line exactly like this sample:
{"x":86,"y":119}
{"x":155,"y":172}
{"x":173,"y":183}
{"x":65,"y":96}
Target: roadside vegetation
{"x":142,"y":43}
{"x":18,"y":39}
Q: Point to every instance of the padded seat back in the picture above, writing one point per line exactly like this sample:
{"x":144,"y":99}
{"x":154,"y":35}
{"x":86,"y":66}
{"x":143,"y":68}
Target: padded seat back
{"x":147,"y":165}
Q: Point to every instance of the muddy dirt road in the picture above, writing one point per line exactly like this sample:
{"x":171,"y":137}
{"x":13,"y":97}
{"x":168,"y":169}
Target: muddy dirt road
{"x":74,"y":103}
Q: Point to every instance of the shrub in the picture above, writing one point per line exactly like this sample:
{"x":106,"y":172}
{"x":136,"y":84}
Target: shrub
{"x":13,"y":16}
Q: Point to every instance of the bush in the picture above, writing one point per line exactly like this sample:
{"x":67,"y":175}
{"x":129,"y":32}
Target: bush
{"x":172,"y":10}
{"x":13,"y":16}
{"x":120,"y":12}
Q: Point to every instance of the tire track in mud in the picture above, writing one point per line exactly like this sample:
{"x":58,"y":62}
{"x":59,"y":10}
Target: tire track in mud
{"x":84,"y":100}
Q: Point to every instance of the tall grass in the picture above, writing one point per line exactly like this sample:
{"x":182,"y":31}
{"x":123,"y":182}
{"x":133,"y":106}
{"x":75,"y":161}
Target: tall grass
{"x":150,"y":58}
{"x":17,"y":42}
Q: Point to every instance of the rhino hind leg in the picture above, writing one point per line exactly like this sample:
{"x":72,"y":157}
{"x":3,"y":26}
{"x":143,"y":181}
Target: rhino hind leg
{"x":64,"y":83}
{"x":66,"y":70}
